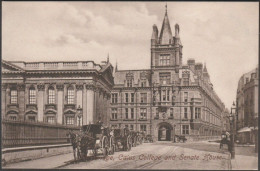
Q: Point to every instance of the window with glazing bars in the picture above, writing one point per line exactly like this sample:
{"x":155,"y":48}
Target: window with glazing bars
{"x":51,"y":96}
{"x":186,"y":113}
{"x":129,"y":82}
{"x":114,"y":113}
{"x":13,"y":96}
{"x":143,"y":113}
{"x":143,"y":98}
{"x":165,"y":59}
{"x":185,"y":129}
{"x":197,"y":112}
{"x":32,"y":95}
{"x":50,"y":119}
{"x":132,"y":113}
{"x":114,"y":97}
{"x":143,"y":128}
{"x":126,"y":113}
{"x":69,"y":120}
{"x":132,"y":97}
{"x":70,"y":95}
{"x":126,"y":97}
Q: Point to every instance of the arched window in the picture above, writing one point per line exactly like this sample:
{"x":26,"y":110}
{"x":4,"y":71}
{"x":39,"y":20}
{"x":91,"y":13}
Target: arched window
{"x":70,"y":99}
{"x":13,"y":94}
{"x":32,"y":95}
{"x":51,"y":95}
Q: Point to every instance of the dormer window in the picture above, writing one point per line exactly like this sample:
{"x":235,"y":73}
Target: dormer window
{"x":143,"y":83}
{"x":129,"y":83}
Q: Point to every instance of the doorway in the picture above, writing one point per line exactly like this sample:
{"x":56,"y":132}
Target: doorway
{"x":164,"y":132}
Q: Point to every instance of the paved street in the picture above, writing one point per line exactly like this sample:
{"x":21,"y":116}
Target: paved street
{"x":162,"y":155}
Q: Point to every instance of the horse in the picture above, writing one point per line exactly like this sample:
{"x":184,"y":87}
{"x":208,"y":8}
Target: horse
{"x":74,"y":139}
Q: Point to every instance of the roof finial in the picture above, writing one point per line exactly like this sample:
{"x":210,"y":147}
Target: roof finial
{"x":107,"y":57}
{"x":166,"y":8}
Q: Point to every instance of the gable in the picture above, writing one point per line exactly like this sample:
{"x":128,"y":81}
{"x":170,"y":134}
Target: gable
{"x":8,"y":67}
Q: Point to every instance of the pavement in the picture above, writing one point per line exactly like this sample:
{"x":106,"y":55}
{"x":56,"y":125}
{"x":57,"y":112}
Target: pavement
{"x":245,"y":158}
{"x":201,"y":155}
{"x":43,"y":163}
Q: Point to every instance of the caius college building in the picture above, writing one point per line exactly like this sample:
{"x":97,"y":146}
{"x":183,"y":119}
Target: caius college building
{"x":168,"y":99}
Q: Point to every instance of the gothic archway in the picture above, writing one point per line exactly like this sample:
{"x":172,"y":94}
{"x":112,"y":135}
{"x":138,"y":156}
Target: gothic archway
{"x":165,"y":132}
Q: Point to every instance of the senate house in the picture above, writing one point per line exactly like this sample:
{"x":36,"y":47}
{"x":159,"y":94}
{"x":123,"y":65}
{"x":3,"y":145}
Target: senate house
{"x":170,"y":98}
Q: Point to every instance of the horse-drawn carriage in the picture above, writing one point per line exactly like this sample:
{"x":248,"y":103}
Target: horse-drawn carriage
{"x":148,"y":138}
{"x":133,"y":135}
{"x":92,"y":137}
{"x":179,"y":138}
{"x":122,"y":139}
{"x":140,"y":137}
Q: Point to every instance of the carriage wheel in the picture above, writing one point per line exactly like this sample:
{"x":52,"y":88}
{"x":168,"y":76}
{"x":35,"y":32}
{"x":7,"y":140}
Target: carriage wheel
{"x":112,"y":147}
{"x":105,"y":146}
{"x":128,"y":145}
{"x":94,"y":152}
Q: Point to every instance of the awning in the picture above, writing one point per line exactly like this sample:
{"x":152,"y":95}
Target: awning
{"x":245,"y":129}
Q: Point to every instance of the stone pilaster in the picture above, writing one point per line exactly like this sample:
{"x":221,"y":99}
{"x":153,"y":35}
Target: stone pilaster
{"x":90,"y":103}
{"x":3,"y":105}
{"x":84,"y":106}
{"x":60,"y":89}
{"x":21,"y":100}
{"x":40,"y":101}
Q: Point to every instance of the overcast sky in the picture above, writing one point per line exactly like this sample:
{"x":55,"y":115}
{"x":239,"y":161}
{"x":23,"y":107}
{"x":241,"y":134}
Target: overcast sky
{"x":222,"y":34}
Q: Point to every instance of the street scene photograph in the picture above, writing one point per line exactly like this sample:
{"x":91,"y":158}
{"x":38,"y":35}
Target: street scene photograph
{"x":129,"y":85}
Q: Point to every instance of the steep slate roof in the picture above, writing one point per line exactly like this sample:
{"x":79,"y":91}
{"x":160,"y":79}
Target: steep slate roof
{"x":120,"y":75}
{"x":166,"y":32}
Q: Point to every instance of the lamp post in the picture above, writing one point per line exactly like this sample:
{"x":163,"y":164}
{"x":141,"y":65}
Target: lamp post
{"x":232,"y":118}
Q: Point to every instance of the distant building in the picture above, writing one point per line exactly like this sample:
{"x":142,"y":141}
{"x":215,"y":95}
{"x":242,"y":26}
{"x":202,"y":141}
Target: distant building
{"x":170,"y":98}
{"x":225,"y":121}
{"x":68,"y":93}
{"x":247,"y":105}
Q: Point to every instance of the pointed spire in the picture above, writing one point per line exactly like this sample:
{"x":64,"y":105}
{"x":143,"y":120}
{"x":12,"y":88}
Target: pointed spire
{"x":205,"y":68}
{"x":108,"y":58}
{"x":166,"y":8}
{"x":116,"y":65}
{"x":166,"y":32}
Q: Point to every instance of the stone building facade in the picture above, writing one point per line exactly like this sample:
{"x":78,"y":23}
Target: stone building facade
{"x":170,"y":98}
{"x":247,"y":106}
{"x":68,"y":93}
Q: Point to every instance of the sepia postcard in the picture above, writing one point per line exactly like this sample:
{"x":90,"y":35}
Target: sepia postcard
{"x":130,"y":85}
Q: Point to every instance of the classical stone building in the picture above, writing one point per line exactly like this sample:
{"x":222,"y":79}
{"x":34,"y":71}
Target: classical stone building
{"x":247,"y":106}
{"x":170,"y":98}
{"x":70,"y":93}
